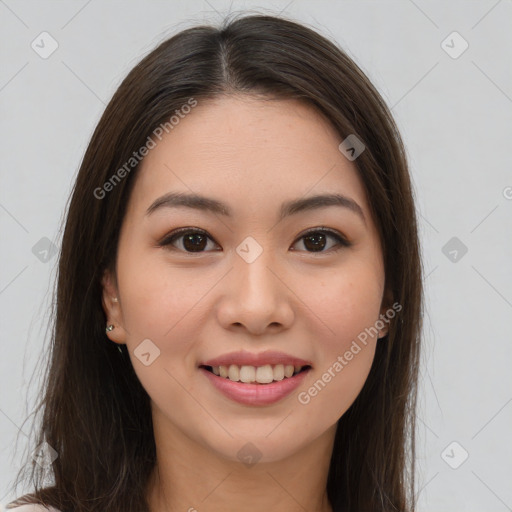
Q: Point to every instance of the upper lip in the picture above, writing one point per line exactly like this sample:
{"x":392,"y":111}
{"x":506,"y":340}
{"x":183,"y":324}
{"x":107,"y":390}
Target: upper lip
{"x":244,"y":358}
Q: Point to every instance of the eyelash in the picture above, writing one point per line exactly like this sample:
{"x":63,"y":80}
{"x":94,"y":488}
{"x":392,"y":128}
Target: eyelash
{"x":171,"y":237}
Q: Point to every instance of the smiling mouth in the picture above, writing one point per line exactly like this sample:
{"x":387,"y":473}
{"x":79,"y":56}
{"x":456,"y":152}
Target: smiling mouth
{"x":266,"y":374}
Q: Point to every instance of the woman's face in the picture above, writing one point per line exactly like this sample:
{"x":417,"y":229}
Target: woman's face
{"x":246,"y":277}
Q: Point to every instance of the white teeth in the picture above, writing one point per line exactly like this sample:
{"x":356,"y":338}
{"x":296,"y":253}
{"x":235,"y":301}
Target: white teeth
{"x":279,"y":372}
{"x":264,"y":374}
{"x":260,"y":374}
{"x":247,"y":374}
{"x":234,"y":373}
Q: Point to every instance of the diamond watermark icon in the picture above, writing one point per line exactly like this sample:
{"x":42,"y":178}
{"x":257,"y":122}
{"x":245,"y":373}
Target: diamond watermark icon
{"x":44,"y":45}
{"x":249,"y":249}
{"x":454,"y":249}
{"x":454,"y":45}
{"x":146,"y":352}
{"x":249,"y":454}
{"x":454,"y":455}
{"x":352,"y":147}
{"x":44,"y":249}
{"x":44,"y":455}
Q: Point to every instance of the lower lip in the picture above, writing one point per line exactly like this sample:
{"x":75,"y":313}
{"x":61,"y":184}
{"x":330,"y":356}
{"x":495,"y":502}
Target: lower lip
{"x":256,"y":394}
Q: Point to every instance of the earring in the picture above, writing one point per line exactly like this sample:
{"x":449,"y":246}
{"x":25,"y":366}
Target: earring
{"x":114,"y":299}
{"x":110,"y":328}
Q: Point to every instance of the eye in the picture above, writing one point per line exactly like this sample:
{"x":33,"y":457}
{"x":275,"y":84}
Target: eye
{"x":189,"y":240}
{"x":195,"y":240}
{"x":315,"y":240}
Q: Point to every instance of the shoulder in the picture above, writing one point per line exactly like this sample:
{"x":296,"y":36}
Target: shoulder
{"x":32,"y":507}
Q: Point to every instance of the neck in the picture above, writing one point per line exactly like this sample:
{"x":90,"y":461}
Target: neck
{"x":191,"y":477}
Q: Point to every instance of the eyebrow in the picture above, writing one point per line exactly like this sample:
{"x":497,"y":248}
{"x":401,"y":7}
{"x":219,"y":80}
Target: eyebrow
{"x":198,"y":202}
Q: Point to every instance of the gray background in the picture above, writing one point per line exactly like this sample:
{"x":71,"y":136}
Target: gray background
{"x":455,"y":115}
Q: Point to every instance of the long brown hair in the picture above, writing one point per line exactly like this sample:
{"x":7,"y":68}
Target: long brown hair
{"x":95,"y":413}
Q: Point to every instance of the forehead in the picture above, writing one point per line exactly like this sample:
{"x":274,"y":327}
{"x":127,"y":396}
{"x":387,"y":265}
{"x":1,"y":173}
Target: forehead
{"x":249,"y":152}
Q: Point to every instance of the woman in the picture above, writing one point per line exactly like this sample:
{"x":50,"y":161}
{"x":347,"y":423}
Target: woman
{"x":239,"y":295}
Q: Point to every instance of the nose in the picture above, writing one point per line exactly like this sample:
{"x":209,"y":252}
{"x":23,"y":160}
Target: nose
{"x":255,"y":298}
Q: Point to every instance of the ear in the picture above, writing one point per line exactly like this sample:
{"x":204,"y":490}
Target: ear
{"x":387,"y":302}
{"x":112,"y":308}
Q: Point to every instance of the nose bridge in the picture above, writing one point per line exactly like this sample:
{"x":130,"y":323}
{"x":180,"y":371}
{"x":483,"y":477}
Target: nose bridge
{"x":255,"y":298}
{"x":252,"y":271}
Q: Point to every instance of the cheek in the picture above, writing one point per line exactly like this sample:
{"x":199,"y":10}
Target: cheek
{"x":345,"y":304}
{"x":163,"y":305}
{"x":346,"y":307}
{"x":334,"y":388}
{"x":159,"y":301}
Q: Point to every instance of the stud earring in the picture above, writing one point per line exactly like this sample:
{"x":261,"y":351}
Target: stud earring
{"x":109,"y":328}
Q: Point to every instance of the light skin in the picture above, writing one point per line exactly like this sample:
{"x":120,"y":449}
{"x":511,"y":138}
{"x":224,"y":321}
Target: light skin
{"x":252,"y":155}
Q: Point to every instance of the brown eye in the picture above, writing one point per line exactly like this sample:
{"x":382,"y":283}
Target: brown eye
{"x":196,"y":241}
{"x":317,"y":240}
{"x":188,"y":240}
